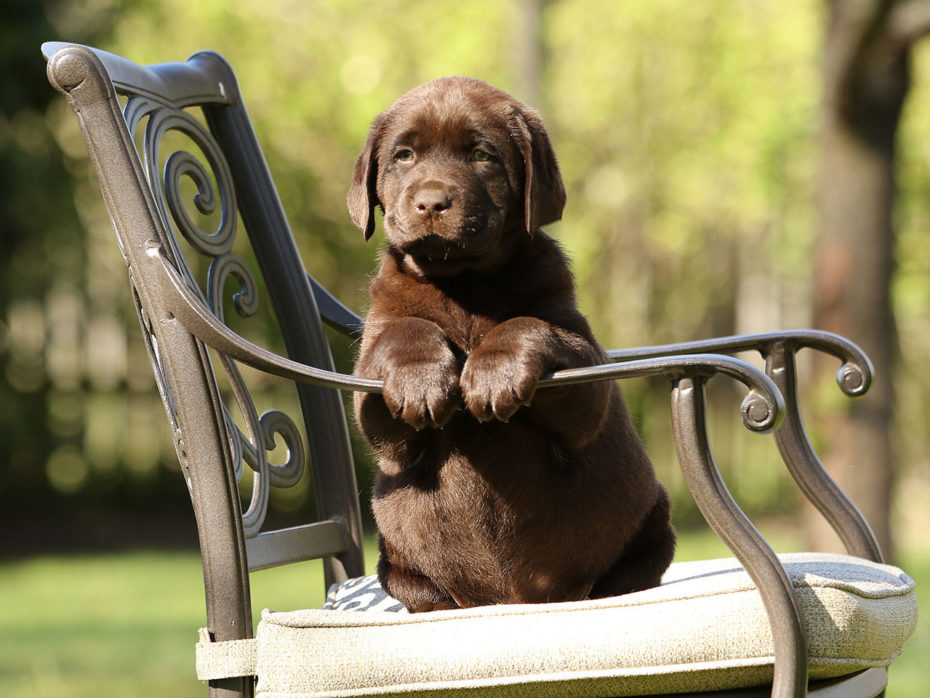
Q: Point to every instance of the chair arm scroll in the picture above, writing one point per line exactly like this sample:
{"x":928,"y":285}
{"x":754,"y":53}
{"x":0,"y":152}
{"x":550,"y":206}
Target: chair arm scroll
{"x":779,"y":350}
{"x":854,"y":376}
{"x":762,"y":409}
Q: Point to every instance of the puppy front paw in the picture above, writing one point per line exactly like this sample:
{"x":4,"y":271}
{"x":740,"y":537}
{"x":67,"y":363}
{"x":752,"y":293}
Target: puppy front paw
{"x":420,"y":371}
{"x":496,"y":383}
{"x":423,"y":391}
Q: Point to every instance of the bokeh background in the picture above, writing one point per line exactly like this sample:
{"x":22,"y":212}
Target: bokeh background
{"x":730,"y":167}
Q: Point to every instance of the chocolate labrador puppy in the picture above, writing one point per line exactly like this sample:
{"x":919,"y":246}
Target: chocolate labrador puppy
{"x":488,"y":490}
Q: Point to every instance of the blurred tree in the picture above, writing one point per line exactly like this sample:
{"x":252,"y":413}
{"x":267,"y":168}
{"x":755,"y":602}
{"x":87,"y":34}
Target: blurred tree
{"x":866,"y":79}
{"x":687,"y":137}
{"x":684,"y":132}
{"x":68,"y":396}
{"x":41,"y":256}
{"x":529,"y":51}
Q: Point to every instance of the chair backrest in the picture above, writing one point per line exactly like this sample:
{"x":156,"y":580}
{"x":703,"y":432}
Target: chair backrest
{"x":158,"y":134}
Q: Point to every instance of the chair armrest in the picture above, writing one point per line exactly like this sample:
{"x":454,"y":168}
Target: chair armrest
{"x":762,"y":409}
{"x":854,"y":378}
{"x":186,"y":306}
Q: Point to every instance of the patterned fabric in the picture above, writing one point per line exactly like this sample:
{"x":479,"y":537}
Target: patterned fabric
{"x":361,"y":594}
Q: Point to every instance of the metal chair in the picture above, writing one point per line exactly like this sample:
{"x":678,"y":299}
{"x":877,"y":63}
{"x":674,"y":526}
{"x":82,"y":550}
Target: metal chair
{"x":130,"y":117}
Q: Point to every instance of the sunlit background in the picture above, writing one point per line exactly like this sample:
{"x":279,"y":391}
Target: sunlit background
{"x":690,"y":141}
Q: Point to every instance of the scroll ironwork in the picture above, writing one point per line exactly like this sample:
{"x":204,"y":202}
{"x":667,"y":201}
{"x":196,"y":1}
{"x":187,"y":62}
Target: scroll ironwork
{"x":215,"y":200}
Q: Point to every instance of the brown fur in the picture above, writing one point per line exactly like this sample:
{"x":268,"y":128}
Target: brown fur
{"x":489,"y":491}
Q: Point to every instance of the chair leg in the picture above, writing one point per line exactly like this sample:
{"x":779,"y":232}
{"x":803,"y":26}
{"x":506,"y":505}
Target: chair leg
{"x":730,"y":523}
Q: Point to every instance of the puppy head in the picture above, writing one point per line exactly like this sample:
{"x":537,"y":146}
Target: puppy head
{"x":460,"y":169}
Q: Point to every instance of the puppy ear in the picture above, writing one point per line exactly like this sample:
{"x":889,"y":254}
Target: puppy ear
{"x":544,"y":192}
{"x":363,"y":194}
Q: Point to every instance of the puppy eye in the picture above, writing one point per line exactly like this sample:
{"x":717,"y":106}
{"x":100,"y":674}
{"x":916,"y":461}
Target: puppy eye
{"x":479,"y":155}
{"x":404,"y":155}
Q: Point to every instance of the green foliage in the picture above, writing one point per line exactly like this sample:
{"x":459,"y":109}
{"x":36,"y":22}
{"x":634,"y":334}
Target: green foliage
{"x":323,"y":72}
{"x":122,"y":625}
{"x":687,"y":135}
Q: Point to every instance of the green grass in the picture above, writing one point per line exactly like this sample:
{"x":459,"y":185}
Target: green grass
{"x":117,"y":625}
{"x":125,"y":624}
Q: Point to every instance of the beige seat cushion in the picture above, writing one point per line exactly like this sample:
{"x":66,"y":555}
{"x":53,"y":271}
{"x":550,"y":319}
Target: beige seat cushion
{"x":705,"y":628}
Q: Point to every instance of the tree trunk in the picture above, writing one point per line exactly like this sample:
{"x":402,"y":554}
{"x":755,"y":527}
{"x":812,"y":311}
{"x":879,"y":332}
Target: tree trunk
{"x":866,"y":80}
{"x":529,"y":52}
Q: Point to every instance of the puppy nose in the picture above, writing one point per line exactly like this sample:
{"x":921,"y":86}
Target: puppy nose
{"x":430,"y":202}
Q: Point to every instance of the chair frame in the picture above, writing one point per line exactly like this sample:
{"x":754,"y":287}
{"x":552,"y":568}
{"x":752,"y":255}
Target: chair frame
{"x":180,"y":328}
